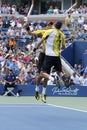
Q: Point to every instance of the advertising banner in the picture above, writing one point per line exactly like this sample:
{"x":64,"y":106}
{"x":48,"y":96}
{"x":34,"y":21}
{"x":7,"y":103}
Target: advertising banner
{"x":52,"y":90}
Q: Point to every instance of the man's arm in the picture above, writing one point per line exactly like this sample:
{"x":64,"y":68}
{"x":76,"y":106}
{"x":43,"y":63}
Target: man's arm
{"x":35,"y":33}
{"x":63,"y":42}
{"x":6,"y":81}
{"x":40,"y":42}
{"x":63,"y":47}
{"x":10,"y":83}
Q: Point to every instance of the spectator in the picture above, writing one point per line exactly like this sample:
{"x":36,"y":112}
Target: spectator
{"x":76,"y":68}
{"x":27,"y":78}
{"x":8,"y":62}
{"x":80,"y":69}
{"x":75,"y":78}
{"x":85,"y":25}
{"x":81,"y":21}
{"x":50,"y":10}
{"x":10,"y":80}
{"x":83,"y":80}
{"x":12,"y":44}
{"x":1,"y":21}
{"x":26,"y":10}
{"x":85,"y":69}
{"x":69,"y":20}
{"x":21,"y":77}
{"x":14,"y":67}
{"x":10,"y":32}
{"x":56,"y":10}
{"x":6,"y":22}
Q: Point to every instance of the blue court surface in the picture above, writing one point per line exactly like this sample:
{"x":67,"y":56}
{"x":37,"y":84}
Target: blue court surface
{"x":41,"y":117}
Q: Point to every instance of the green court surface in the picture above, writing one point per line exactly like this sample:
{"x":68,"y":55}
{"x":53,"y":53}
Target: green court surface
{"x":79,"y":103}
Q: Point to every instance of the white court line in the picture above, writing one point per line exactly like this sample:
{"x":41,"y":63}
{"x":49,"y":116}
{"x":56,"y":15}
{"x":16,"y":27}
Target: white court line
{"x":67,"y":108}
{"x":29,"y":105}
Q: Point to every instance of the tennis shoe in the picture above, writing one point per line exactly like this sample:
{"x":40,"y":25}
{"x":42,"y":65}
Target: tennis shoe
{"x":5,"y":93}
{"x":37,"y":95}
{"x":17,"y":95}
{"x":43,"y":98}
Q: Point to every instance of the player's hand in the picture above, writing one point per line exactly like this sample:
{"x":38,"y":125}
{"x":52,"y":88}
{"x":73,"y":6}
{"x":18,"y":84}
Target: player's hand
{"x":10,"y":83}
{"x":28,"y":28}
{"x":34,"y":50}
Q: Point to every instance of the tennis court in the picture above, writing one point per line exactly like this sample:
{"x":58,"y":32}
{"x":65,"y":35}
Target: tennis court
{"x":25,"y":113}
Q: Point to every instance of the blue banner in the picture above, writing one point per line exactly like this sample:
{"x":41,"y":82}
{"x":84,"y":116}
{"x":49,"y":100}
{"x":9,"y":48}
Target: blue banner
{"x":79,"y":91}
{"x":52,"y":90}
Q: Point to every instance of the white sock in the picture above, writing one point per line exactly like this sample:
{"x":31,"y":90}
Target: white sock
{"x":51,"y":78}
{"x":37,"y":88}
{"x":44,"y":91}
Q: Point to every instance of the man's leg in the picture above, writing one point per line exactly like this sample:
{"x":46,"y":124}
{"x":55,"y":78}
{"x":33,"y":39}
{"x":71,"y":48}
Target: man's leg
{"x":49,"y":77}
{"x":43,"y":95}
{"x":16,"y":90}
{"x":38,"y":79}
{"x":4,"y":90}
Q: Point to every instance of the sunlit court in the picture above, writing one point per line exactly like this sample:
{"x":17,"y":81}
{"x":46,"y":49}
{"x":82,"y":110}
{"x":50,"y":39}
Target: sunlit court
{"x":20,"y":113}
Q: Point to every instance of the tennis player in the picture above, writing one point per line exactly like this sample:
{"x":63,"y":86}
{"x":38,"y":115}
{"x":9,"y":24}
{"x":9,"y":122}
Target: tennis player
{"x":55,"y":41}
{"x":40,"y":58}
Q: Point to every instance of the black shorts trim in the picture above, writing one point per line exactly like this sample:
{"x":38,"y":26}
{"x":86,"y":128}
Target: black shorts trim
{"x":51,"y":61}
{"x":40,"y":61}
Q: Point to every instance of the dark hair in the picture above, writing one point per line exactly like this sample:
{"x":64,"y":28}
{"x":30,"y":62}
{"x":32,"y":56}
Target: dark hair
{"x":58,"y":24}
{"x":50,"y":23}
{"x":10,"y":69}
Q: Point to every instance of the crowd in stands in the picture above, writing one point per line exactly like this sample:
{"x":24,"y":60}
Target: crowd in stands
{"x":74,"y":10}
{"x":13,"y":9}
{"x":50,"y":9}
{"x":77,"y":27}
{"x":79,"y":76}
{"x":16,"y":45}
{"x":81,"y":10}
